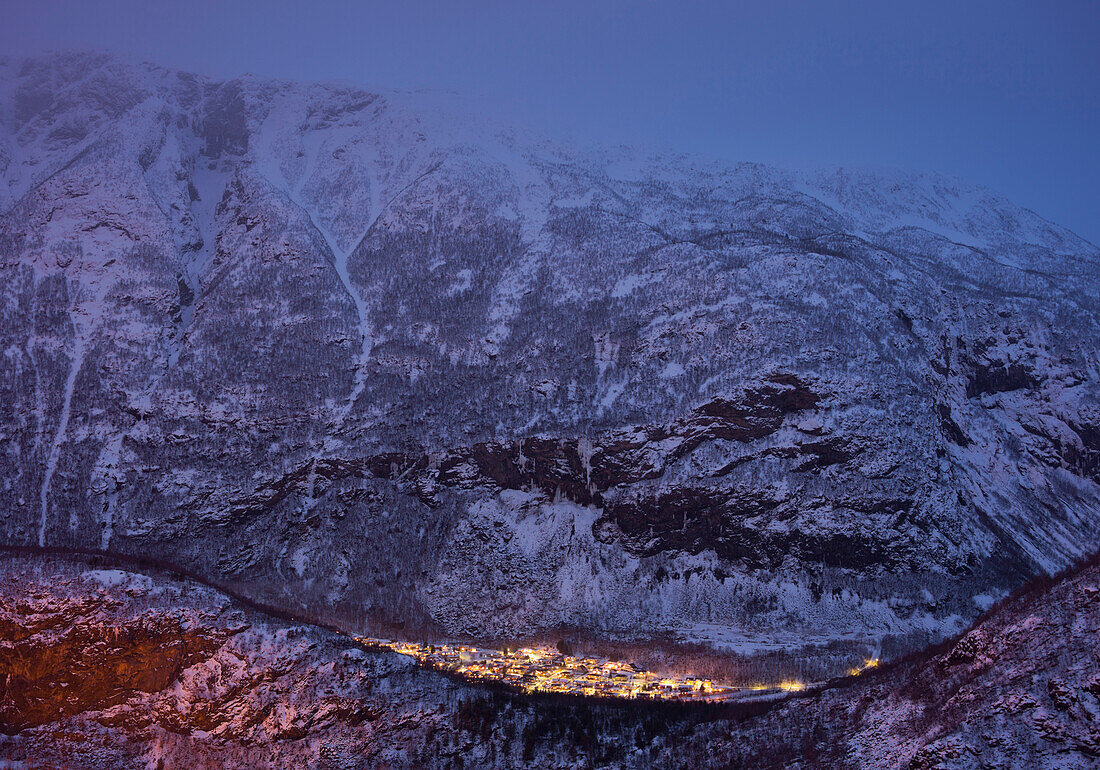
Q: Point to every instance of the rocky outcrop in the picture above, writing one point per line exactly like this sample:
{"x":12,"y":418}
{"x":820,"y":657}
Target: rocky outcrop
{"x":1019,"y":689}
{"x":59,"y":658}
{"x":579,"y":469}
{"x":106,"y":668}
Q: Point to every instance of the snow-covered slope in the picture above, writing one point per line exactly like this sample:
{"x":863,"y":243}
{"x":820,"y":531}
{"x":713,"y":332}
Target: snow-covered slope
{"x":1019,"y":689}
{"x":371,"y":355}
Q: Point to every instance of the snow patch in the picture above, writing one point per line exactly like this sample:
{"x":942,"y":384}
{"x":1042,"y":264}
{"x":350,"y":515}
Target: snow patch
{"x":627,"y":284}
{"x":671,"y":371}
{"x":116,"y":578}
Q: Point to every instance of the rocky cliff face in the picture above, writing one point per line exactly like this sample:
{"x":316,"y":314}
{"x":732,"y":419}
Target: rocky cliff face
{"x":365,"y":354}
{"x":107,"y":668}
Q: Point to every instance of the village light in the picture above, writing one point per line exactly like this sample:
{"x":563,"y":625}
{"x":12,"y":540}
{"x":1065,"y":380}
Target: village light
{"x":535,"y":670}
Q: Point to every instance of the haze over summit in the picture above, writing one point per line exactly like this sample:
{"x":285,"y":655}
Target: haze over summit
{"x":1005,"y":95}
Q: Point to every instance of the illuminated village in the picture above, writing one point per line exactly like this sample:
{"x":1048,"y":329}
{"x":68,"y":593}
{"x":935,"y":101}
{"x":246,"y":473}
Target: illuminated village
{"x":547,"y":670}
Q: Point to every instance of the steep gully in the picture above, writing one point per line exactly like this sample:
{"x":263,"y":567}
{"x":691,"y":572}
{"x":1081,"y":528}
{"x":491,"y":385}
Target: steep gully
{"x":62,"y":429}
{"x":340,"y":263}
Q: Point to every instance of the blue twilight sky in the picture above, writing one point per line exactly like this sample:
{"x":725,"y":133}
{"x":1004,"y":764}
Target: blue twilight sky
{"x":999,"y":92}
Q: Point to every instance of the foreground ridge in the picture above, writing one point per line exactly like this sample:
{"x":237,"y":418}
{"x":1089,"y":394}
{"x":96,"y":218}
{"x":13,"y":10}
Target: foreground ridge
{"x":168,"y":671}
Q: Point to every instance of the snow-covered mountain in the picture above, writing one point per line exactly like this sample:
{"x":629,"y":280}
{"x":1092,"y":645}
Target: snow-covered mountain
{"x":368,"y":354}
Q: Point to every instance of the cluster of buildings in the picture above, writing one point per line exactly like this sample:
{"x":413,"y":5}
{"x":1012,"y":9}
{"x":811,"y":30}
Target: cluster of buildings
{"x":866,"y":665}
{"x":547,"y":670}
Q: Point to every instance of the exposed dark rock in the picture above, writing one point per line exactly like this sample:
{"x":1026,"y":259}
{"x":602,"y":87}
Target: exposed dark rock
{"x":999,"y":377}
{"x":59,"y":658}
{"x":951,"y":428}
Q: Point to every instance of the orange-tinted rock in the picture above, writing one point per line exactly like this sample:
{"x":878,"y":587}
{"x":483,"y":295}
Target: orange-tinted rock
{"x":75,"y":655}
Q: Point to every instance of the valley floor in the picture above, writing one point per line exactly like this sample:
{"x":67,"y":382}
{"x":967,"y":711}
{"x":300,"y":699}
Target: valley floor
{"x":109,"y":668}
